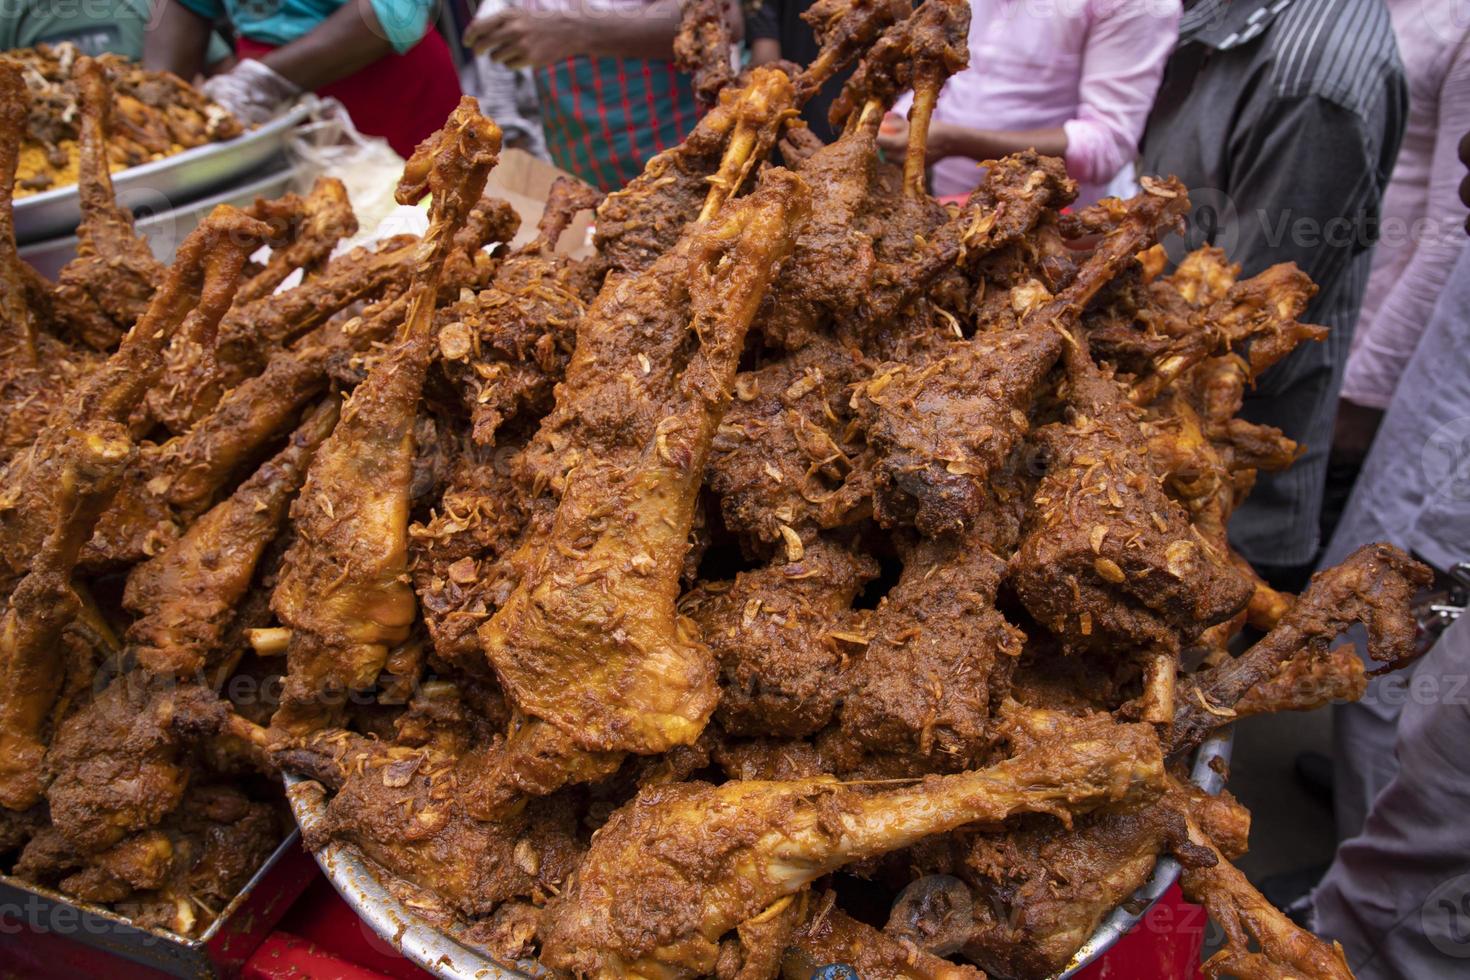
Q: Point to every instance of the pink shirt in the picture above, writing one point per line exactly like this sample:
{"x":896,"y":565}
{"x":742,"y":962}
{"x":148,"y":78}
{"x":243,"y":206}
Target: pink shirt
{"x":1422,"y":231}
{"x":1089,"y":66}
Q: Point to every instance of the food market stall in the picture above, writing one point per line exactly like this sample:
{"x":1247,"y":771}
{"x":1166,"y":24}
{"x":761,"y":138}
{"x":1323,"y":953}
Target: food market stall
{"x":804,"y":573}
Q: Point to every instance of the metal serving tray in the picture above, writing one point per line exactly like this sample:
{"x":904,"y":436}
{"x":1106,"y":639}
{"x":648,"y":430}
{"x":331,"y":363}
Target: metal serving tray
{"x":419,"y":941}
{"x":165,"y":229}
{"x":163,"y":185}
{"x":442,"y":954}
{"x":46,"y":933}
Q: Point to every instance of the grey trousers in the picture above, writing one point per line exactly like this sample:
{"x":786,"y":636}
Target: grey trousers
{"x":1398,"y":894}
{"x":1414,"y":491}
{"x":1363,"y":734}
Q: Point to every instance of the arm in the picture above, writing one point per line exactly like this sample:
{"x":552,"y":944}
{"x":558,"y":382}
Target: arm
{"x":763,"y":28}
{"x":947,"y":139}
{"x":952,"y":140}
{"x":346,"y":42}
{"x":533,"y":38}
{"x":1122,"y":64}
{"x":1374,"y":367}
{"x":178,"y":40}
{"x":352,"y":38}
{"x":764,"y":50}
{"x":648,"y":36}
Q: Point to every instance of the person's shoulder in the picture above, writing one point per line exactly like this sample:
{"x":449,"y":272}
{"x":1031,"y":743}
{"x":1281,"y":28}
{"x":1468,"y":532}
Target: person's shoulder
{"x":1340,"y":50}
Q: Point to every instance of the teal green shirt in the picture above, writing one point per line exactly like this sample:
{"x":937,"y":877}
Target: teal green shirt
{"x":283,"y":21}
{"x":108,"y":26}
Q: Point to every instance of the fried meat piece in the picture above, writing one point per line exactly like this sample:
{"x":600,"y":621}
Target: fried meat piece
{"x":250,"y":334}
{"x":508,"y":345}
{"x":1108,"y":557}
{"x":1374,"y":586}
{"x":1260,"y":941}
{"x":589,"y":643}
{"x":708,"y":858}
{"x":833,"y":936}
{"x":782,"y":634}
{"x":402,"y":806}
{"x":106,"y":288}
{"x":305,"y":231}
{"x":344,"y":590}
{"x":702,"y":48}
{"x":198,"y":289}
{"x":786,"y":455}
{"x":86,"y":463}
{"x":35,"y":369}
{"x":939,"y":656}
{"x":833,"y":264}
{"x":185,"y":597}
{"x":941,"y":429}
{"x":843,"y":30}
{"x":642,"y":221}
{"x":461,"y":554}
{"x":918,"y":53}
{"x":118,"y":764}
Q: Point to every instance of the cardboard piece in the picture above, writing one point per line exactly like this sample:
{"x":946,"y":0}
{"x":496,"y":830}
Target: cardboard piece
{"x":524,"y":182}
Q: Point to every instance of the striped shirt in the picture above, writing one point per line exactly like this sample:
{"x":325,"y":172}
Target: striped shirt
{"x":1284,"y":118}
{"x":605,"y":117}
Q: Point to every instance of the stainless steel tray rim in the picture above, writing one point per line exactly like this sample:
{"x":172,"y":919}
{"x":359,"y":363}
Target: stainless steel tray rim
{"x":163,"y":230}
{"x":174,"y":180}
{"x":436,"y":951}
{"x":356,"y":880}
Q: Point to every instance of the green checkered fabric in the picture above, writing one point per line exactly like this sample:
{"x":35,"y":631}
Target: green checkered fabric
{"x":604,"y":117}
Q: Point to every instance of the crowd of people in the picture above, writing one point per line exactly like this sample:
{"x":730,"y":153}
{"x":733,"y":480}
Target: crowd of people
{"x":1330,"y":133}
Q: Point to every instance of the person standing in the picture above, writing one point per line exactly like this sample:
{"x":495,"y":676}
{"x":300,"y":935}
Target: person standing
{"x":610,"y":95}
{"x":1073,"y":80}
{"x":1414,"y":491}
{"x":1421,"y":222}
{"x":1284,"y":117}
{"x":1397,"y":896}
{"x":381,"y":58}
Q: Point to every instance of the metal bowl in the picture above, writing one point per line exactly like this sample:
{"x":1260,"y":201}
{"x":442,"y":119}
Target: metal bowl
{"x":163,"y":185}
{"x":444,"y":953}
{"x":356,"y":880}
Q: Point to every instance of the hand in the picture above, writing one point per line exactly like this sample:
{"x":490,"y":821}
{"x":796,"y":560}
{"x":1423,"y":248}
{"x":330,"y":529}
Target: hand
{"x":1465,"y":182}
{"x":527,"y":39}
{"x":893,"y":136}
{"x":252,"y":90}
{"x":1356,"y":427}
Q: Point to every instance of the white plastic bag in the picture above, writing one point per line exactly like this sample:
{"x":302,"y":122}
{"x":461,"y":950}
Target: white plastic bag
{"x":329,"y":144}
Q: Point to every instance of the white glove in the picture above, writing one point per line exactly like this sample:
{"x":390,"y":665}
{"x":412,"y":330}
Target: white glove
{"x":251,"y":90}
